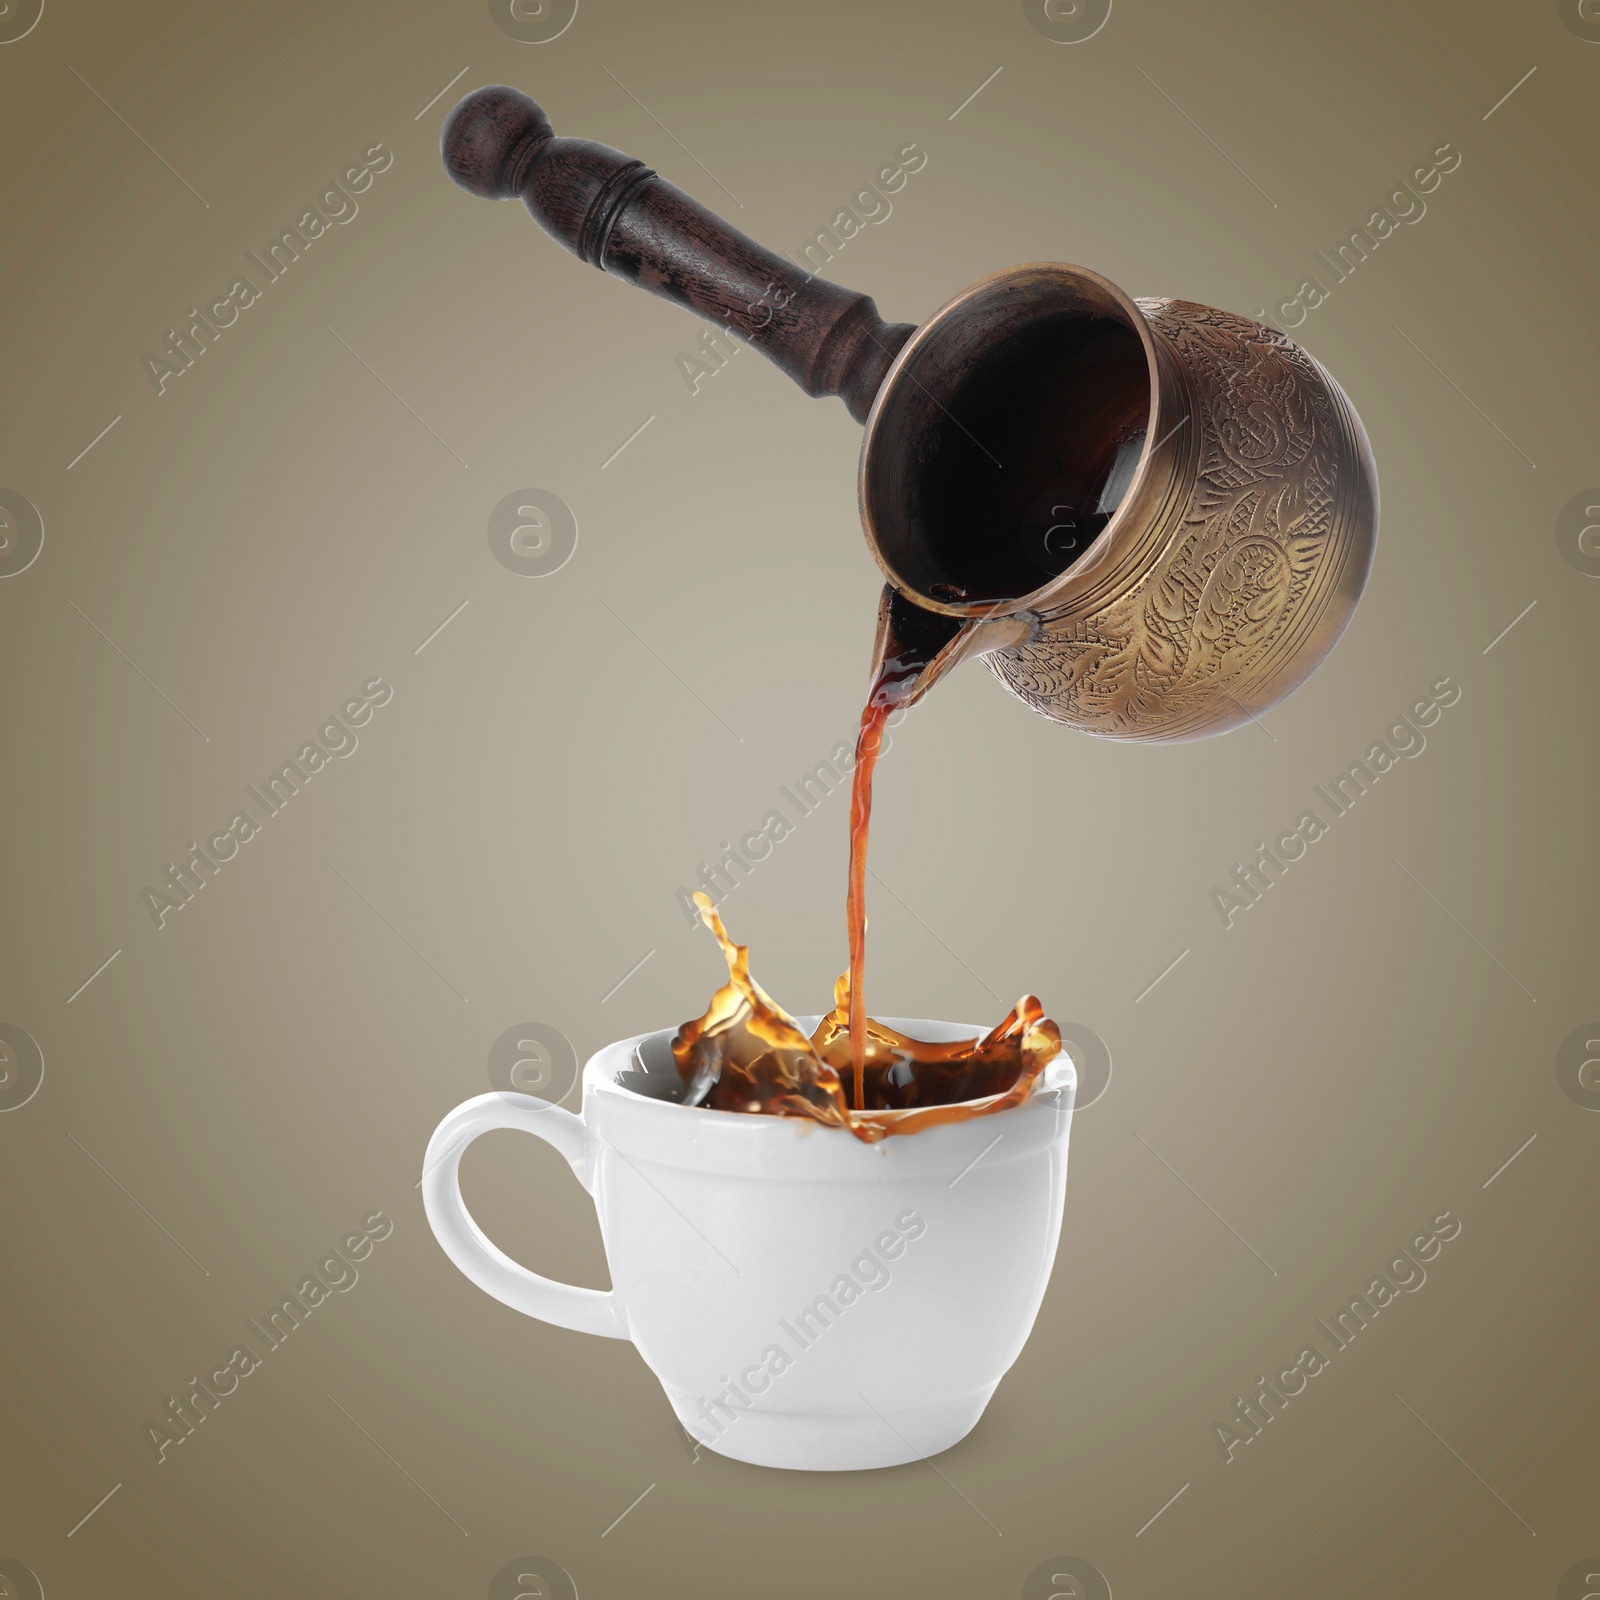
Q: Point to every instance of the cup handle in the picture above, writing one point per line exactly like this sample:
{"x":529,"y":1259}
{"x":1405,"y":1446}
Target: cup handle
{"x":564,"y":1304}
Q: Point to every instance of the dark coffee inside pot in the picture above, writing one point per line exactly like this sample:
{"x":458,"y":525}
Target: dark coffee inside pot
{"x":1008,"y":440}
{"x":1037,"y":449}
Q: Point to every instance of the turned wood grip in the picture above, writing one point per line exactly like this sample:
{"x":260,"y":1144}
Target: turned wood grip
{"x":619,"y":216}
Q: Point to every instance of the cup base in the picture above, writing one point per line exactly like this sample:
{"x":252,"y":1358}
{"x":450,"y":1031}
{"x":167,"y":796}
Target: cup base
{"x":810,"y":1441}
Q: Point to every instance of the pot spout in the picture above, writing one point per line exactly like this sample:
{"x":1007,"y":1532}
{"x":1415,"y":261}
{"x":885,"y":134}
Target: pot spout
{"x":915,"y":647}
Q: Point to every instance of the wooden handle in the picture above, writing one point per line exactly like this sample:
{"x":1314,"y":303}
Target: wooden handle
{"x":619,"y":216}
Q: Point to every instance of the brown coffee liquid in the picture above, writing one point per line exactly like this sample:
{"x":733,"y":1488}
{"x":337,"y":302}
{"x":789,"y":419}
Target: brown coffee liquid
{"x":869,"y":741}
{"x":909,"y":641}
{"x":746,"y":1054}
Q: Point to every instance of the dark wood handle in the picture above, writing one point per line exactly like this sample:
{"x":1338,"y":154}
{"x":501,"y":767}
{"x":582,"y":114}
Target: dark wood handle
{"x":619,"y":216}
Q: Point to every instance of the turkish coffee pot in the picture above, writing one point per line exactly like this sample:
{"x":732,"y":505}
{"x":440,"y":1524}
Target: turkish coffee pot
{"x":1150,"y":518}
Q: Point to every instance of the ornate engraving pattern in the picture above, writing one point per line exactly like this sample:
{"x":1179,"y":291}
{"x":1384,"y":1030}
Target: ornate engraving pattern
{"x":1208,"y":618}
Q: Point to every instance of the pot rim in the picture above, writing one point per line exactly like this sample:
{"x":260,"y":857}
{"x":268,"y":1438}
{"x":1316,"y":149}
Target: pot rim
{"x":1052,"y":594}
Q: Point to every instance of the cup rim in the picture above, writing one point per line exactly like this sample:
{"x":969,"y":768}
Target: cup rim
{"x":602,"y":1070}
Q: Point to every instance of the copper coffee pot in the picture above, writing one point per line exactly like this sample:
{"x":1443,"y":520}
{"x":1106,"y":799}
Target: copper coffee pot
{"x":1151,"y":518}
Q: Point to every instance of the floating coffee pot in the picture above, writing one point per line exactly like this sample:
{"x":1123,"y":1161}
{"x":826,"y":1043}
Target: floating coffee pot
{"x":1151,"y":518}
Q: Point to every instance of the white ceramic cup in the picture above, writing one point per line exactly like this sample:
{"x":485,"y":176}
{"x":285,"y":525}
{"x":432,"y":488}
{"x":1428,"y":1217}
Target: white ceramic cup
{"x":806,"y":1299}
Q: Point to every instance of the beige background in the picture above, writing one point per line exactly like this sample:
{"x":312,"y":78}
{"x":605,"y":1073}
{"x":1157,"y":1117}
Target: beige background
{"x":238,"y":1090}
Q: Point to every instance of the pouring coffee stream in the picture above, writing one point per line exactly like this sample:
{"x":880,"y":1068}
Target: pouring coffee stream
{"x":746,"y":1054}
{"x":911,"y":651}
{"x":1150,"y":519}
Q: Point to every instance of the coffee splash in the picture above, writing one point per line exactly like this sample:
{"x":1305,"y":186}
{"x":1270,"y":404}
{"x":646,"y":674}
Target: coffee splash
{"x":747,"y":1054}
